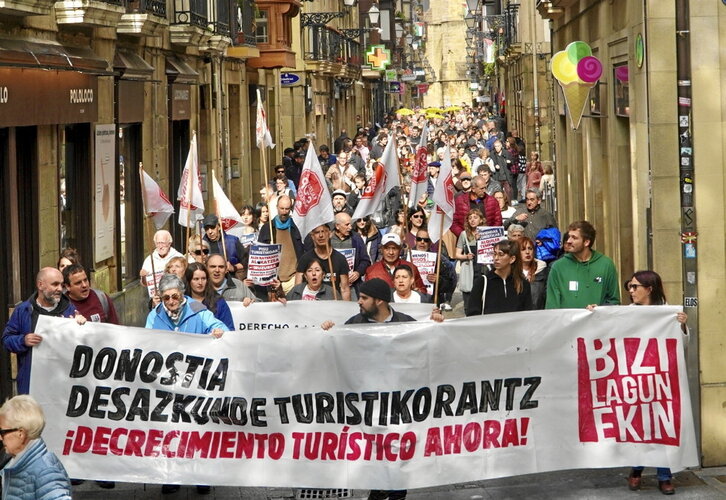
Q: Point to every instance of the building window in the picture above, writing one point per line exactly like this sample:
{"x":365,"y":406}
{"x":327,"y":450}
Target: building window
{"x":622,"y":91}
{"x":261,"y":27}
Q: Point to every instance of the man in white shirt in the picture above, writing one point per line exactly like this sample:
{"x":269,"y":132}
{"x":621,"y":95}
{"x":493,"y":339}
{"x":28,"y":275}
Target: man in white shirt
{"x":163,"y":253}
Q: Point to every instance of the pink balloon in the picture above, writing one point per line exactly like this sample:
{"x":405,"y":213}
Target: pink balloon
{"x":589,"y":69}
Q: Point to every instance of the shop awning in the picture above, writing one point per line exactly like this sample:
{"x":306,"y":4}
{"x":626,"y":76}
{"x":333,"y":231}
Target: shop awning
{"x":178,"y":71}
{"x":131,"y":66}
{"x":50,"y":55}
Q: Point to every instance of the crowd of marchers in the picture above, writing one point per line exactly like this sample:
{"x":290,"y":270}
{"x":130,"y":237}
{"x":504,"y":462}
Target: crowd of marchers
{"x":497,"y":181}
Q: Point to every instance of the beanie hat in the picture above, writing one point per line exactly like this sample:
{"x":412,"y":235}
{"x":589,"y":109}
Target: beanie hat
{"x":376,"y":288}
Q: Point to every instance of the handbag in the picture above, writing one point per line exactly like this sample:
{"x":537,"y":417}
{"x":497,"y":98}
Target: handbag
{"x":466,"y":274}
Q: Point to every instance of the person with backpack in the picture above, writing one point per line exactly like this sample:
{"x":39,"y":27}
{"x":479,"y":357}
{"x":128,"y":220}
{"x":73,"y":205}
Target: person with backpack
{"x":94,"y":304}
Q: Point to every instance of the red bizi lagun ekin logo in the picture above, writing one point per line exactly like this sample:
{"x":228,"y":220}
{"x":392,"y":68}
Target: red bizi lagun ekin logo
{"x":629,"y":390}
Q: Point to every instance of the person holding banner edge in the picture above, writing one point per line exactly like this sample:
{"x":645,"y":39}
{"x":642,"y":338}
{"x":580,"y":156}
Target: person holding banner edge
{"x":374,"y":302}
{"x":646,"y":289}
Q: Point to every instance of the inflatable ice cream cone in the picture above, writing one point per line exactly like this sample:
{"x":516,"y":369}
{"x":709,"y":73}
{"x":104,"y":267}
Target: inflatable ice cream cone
{"x":576,"y":94}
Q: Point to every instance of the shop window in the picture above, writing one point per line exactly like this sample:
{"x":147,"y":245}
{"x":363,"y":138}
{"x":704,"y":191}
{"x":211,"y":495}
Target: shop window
{"x":131,"y":232}
{"x":76,"y":191}
{"x":622,"y":91}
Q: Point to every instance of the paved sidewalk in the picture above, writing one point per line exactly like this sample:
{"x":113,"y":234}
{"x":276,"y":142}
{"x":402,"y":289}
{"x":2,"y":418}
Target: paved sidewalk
{"x":594,"y":484}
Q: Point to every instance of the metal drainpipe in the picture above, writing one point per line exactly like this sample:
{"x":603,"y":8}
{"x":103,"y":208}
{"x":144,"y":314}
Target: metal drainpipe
{"x":688,"y":212}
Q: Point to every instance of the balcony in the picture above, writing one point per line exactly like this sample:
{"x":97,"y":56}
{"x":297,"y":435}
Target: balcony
{"x":25,"y":7}
{"x":91,"y":13}
{"x":143,"y":18}
{"x":189,"y":26}
{"x":275,"y":40}
{"x":330,"y":52}
{"x":553,"y":9}
{"x":511,"y":44}
{"x":220,"y":24}
{"x":244,"y":38}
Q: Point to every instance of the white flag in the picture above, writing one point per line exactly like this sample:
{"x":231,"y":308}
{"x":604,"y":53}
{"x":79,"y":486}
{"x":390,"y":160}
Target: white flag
{"x":264,"y":139}
{"x":443,"y":200}
{"x":385,"y":178}
{"x":157,"y":203}
{"x":191,"y":202}
{"x":420,"y":174}
{"x":313,"y":205}
{"x":229,"y":218}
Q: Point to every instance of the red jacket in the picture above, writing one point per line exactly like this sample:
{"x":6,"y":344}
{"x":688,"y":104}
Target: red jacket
{"x":380,"y":270}
{"x":463,"y":203}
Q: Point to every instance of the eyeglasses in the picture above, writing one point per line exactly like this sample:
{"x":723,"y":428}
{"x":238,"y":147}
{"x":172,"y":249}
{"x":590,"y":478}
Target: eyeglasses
{"x":173,"y":296}
{"x":279,"y":171}
{"x":162,"y":243}
{"x":427,"y":240}
{"x":204,"y":251}
{"x":417,"y":216}
{"x":633,"y":286}
{"x":7,"y":431}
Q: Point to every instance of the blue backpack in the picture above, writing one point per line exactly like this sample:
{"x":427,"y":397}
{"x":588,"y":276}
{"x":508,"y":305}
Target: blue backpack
{"x":550,"y":246}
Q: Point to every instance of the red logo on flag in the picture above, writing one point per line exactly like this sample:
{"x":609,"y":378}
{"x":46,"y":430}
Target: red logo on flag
{"x":378,"y":177}
{"x":449,"y":185}
{"x":629,"y":390}
{"x":309,"y":192}
{"x":419,"y":167}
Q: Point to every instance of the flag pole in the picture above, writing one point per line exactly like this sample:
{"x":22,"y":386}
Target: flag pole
{"x":221,"y":226}
{"x":438,"y":258}
{"x":189,"y":196}
{"x":146,"y":224}
{"x":263,"y":157}
{"x":329,"y":249}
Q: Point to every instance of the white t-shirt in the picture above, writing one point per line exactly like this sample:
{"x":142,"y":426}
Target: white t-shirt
{"x":159,"y":262}
{"x":309,"y":294}
{"x":414,"y":298}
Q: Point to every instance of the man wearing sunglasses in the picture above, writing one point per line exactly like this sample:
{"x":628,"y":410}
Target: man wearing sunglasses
{"x":583,"y":276}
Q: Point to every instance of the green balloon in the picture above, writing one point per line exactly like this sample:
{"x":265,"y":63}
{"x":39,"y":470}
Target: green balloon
{"x":578,"y":50}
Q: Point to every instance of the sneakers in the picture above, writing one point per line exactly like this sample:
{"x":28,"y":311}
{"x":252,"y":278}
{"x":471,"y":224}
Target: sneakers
{"x":446,"y":307}
{"x":634,"y":481}
{"x":666,"y":487}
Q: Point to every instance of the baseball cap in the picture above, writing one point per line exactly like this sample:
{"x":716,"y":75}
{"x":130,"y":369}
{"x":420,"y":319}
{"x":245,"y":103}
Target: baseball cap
{"x":390,"y":238}
{"x":339,"y":192}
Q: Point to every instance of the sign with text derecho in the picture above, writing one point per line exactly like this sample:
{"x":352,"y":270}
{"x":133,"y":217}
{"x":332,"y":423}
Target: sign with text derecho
{"x":368,"y":406}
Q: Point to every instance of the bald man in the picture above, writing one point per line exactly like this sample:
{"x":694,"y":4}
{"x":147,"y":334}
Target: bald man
{"x":19,"y":335}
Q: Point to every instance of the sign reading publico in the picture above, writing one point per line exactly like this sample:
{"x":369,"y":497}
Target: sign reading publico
{"x":386,"y":406}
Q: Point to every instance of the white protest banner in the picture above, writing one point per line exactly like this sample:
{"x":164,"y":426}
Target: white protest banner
{"x":296,"y":314}
{"x":264,"y":263}
{"x":426,"y":264}
{"x":349,"y":254}
{"x":486,"y":238}
{"x":385,"y":406}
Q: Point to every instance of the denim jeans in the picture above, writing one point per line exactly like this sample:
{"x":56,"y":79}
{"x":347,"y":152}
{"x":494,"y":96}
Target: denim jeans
{"x":663,"y":473}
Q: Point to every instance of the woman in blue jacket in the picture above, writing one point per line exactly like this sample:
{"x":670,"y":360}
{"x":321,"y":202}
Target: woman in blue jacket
{"x":180,"y":313}
{"x":34,"y":472}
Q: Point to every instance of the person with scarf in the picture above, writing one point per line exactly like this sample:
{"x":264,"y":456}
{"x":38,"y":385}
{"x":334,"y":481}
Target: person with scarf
{"x":286,"y":234}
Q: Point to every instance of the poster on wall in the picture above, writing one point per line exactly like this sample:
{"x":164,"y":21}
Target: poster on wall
{"x":105,"y":190}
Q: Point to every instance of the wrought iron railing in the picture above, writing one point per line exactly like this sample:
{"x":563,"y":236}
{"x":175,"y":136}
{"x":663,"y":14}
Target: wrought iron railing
{"x":511,"y":25}
{"x":324,"y":44}
{"x":192,"y":12}
{"x":220,"y":18}
{"x":156,"y":7}
{"x":243,"y":24}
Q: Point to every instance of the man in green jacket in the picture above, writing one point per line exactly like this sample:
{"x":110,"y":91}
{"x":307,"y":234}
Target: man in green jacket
{"x":583,"y":276}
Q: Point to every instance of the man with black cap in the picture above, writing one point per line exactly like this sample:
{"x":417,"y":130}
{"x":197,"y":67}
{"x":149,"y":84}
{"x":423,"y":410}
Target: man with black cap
{"x":374,"y":299}
{"x":233,"y":249}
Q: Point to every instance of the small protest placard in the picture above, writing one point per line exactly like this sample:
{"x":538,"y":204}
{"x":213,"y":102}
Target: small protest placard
{"x":247,"y":239}
{"x":264,"y":263}
{"x":486,"y":238}
{"x":349,"y":254}
{"x":152,"y":281}
{"x":426,"y":264}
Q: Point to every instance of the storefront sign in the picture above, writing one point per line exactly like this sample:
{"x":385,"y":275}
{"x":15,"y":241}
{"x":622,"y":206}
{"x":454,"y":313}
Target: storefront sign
{"x":130,"y":101}
{"x":41,"y":97}
{"x":180,"y":97}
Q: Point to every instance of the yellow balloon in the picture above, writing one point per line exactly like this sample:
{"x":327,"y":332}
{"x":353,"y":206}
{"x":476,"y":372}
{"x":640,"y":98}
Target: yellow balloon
{"x":563,"y":69}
